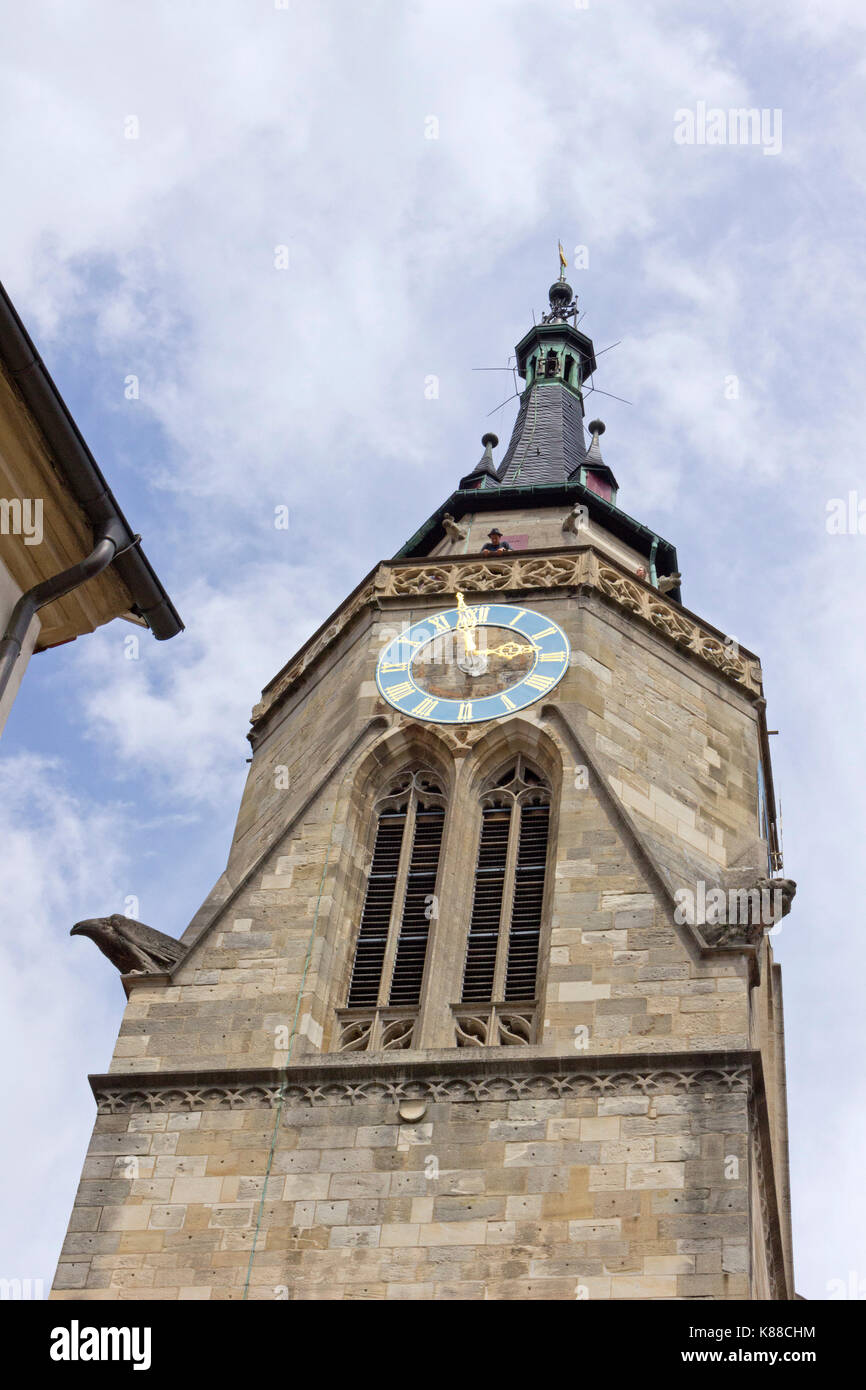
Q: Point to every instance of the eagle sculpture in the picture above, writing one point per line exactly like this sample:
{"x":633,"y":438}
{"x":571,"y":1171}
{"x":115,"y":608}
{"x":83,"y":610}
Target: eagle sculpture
{"x":134,"y":948}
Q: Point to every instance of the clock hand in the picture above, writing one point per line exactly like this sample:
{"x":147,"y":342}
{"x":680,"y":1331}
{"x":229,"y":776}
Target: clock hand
{"x":511,"y":649}
{"x":466,"y":620}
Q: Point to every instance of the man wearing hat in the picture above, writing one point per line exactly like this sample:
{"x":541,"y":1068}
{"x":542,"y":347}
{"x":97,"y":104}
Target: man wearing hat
{"x":496,"y":545}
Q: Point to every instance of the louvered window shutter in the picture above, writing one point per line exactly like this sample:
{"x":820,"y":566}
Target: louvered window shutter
{"x":487,"y":904}
{"x":417,"y":906}
{"x":376,"y":916}
{"x":505,"y":925}
{"x":525,"y":931}
{"x":391,"y":948}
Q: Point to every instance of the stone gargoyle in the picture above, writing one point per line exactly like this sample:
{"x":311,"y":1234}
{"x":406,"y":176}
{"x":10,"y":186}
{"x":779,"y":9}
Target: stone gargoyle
{"x":667,"y":582}
{"x":453,"y":529}
{"x":577,"y":519}
{"x":134,"y":948}
{"x":775,"y":896}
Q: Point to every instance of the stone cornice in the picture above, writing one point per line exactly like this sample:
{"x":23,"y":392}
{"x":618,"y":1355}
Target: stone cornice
{"x":439,"y":1076}
{"x":526,"y":572}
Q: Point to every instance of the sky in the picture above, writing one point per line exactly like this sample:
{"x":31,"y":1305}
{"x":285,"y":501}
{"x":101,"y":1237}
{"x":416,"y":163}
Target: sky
{"x":261,"y":247}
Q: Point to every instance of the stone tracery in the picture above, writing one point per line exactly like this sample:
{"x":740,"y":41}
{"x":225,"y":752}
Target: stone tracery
{"x":581,"y":568}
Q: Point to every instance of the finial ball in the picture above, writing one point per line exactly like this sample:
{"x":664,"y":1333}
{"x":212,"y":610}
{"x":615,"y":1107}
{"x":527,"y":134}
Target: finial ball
{"x":596,"y":426}
{"x":560,"y":293}
{"x":490,"y":439}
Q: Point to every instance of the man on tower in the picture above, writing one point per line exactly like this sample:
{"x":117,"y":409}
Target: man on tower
{"x":496,"y":545}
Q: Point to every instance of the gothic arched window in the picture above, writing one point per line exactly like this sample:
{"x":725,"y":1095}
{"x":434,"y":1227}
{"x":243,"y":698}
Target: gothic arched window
{"x":399,"y":905}
{"x":501,"y":964}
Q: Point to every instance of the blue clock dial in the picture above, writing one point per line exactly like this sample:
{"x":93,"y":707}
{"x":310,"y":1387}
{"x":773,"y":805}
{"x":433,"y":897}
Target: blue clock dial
{"x":473,"y":662}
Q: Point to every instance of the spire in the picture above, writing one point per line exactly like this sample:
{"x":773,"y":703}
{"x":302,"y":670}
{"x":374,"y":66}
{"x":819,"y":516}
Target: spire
{"x":593,"y":455}
{"x":593,"y":472}
{"x":484,"y":472}
{"x":554,"y":359}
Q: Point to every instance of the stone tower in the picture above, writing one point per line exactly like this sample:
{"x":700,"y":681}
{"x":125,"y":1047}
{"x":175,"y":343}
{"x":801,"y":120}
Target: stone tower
{"x":484,"y":1003}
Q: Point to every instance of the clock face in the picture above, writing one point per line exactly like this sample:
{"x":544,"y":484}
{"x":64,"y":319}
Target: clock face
{"x":471,"y":663}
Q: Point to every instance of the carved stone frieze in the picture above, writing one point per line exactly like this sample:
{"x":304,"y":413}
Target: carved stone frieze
{"x":547,"y":573}
{"x":510,"y":1083}
{"x":432,"y":579}
{"x":612,"y":583}
{"x":578,"y":568}
{"x":484,"y":576}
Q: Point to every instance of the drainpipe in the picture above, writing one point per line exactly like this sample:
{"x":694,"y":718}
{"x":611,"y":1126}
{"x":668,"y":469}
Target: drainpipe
{"x":109,"y":539}
{"x":652,"y":562}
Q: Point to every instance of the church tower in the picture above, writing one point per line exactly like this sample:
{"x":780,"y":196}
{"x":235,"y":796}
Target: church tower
{"x":484,"y":1004}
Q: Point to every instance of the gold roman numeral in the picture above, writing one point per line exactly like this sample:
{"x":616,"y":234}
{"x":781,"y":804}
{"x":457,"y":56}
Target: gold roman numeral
{"x":438,"y":623}
{"x":397,"y":692}
{"x":509,"y":704}
{"x":464,"y":712}
{"x":395,"y":666}
{"x":536,"y":636}
{"x":552,"y":656}
{"x":521,"y":613}
{"x":539,"y":682}
{"x":425,"y":707}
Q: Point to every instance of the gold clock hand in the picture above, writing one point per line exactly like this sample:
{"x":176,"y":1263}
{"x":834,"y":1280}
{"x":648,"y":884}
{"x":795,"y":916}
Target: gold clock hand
{"x":511,"y":649}
{"x":466,"y":620}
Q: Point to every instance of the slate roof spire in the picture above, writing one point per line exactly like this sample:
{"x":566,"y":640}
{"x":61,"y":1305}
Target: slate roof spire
{"x":547,"y":443}
{"x":485,"y":468}
{"x":596,"y":429}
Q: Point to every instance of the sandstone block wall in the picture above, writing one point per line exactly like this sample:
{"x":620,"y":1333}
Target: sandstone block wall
{"x":613,"y":1193}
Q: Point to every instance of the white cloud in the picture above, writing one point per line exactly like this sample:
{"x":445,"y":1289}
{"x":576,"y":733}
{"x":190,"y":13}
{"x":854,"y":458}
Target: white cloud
{"x":59,"y":1005}
{"x":177,"y":716}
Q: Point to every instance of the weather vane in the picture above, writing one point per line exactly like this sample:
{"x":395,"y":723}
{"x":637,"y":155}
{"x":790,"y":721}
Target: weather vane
{"x":563,"y":300}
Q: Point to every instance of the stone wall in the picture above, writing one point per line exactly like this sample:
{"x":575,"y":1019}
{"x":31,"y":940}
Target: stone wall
{"x":564,"y":1181}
